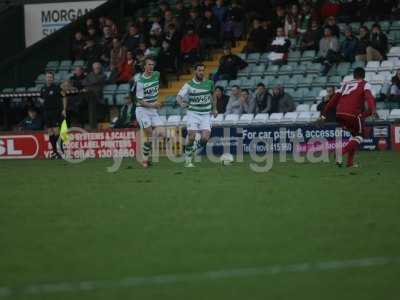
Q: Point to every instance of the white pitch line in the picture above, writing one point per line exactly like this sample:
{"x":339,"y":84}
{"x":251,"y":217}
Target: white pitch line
{"x":51,"y":288}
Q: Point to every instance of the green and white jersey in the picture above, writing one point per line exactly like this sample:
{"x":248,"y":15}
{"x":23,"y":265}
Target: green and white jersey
{"x":147,"y":88}
{"x":199,"y":95}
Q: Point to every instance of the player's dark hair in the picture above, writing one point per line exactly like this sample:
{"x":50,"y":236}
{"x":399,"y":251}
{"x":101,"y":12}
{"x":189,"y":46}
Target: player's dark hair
{"x":359,"y":73}
{"x":198,"y":65}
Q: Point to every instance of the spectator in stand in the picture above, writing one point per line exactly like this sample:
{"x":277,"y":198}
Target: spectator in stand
{"x":247,"y":102}
{"x":281,"y":102}
{"x":167,"y":20}
{"x":32,"y":121}
{"x":233,"y":25}
{"x":279,"y":18}
{"x":292,"y":22}
{"x":330,"y":8}
{"x":133,"y":39}
{"x":262,"y":99}
{"x":258,"y":38}
{"x":233,"y":106}
{"x":180,"y":13}
{"x":144,"y":26}
{"x":310,"y":40}
{"x":222,"y":99}
{"x":173,"y":38}
{"x":127,"y":117}
{"x":279,"y":48}
{"x":190,"y":47}
{"x":117,"y":55}
{"x":328,"y":50}
{"x":92,"y":52}
{"x":127,"y":69}
{"x":154,"y":49}
{"x":207,"y":5}
{"x":395,"y":88}
{"x":94,"y":83}
{"x":166,"y":62}
{"x":77,"y":46}
{"x":330,"y":92}
{"x":164,"y":6}
{"x":77,"y":77}
{"x":194,"y":20}
{"x":93,"y":35}
{"x":195,"y":5}
{"x":379,"y":44}
{"x":349,"y":45}
{"x":113,"y":27}
{"x":363,"y":44}
{"x":306,"y":18}
{"x":220,"y":11}
{"x":209,"y":34}
{"x":229,"y":65}
{"x":331,"y":24}
{"x":156,"y":26}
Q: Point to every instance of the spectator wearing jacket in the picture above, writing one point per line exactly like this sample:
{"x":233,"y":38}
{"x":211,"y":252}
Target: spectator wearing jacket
{"x":222,"y":99}
{"x":247,"y":102}
{"x":379,"y":44}
{"x":363,"y":44}
{"x":279,"y":48}
{"x":32,"y":121}
{"x":229,"y":65}
{"x":190,"y":47}
{"x":262,"y":99}
{"x":349,"y":45}
{"x":281,"y":102}
{"x":234,"y":106}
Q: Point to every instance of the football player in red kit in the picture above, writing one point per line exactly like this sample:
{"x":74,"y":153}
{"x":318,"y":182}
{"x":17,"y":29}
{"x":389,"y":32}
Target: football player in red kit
{"x":351,"y":111}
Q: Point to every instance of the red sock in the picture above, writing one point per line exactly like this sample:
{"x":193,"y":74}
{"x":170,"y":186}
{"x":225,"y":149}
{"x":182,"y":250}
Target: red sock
{"x":353,"y":147}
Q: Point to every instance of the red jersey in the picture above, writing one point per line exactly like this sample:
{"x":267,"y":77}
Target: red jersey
{"x":350,"y":100}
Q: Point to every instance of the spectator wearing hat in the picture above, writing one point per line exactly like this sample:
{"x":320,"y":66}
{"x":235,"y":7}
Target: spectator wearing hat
{"x":229,"y":65}
{"x":348,"y":47}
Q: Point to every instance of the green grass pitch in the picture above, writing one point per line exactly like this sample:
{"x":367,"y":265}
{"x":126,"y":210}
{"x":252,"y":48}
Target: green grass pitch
{"x":63,"y":223}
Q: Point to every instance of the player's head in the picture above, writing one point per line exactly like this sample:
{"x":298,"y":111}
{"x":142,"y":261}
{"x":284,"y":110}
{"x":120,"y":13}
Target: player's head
{"x":149,"y":65}
{"x":49,"y":77}
{"x":199,"y":71}
{"x":359,"y":73}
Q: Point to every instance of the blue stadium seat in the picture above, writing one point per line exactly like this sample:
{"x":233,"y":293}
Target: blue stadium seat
{"x":253,"y":57}
{"x":272,"y":70}
{"x":308,"y":55}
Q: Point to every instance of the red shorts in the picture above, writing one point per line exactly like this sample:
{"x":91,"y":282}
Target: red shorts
{"x":351,"y":123}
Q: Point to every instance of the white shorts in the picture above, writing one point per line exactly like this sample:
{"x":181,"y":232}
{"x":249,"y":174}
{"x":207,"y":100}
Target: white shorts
{"x":198,"y":122}
{"x":147,"y":117}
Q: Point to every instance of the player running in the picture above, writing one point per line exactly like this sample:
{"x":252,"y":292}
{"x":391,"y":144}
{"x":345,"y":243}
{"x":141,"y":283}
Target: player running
{"x":200,"y":102}
{"x":349,"y":102}
{"x":147,"y":88}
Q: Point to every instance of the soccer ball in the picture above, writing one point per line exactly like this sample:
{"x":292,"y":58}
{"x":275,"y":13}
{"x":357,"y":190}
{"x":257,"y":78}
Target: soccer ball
{"x":226,"y":159}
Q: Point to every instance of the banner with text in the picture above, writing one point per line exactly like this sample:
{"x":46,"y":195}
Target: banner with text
{"x":43,"y":19}
{"x":81,"y":145}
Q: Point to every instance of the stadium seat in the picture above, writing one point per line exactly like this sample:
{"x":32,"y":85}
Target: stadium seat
{"x":245,"y":119}
{"x":275,"y":118}
{"x":257,"y":80}
{"x":222,"y":83}
{"x":299,"y":70}
{"x":313,"y":68}
{"x":41,"y":79}
{"x":218,"y":120}
{"x":272,"y":70}
{"x":257,"y":70}
{"x":357,"y":64}
{"x":322,"y":94}
{"x":245,"y":71}
{"x":376,"y":89}
{"x":264,"y":58}
{"x":372,"y":66}
{"x":119,"y":99}
{"x":286,"y":70}
{"x":304,"y":117}
{"x":292,"y":82}
{"x":343,"y":69}
{"x":313,"y":107}
{"x":383,"y":114}
{"x":235,"y":82}
{"x":394,"y":114}
{"x":378,"y":79}
{"x":385,"y":25}
{"x":294,"y":56}
{"x":395,"y":25}
{"x":315,"y":115}
{"x":33,"y":89}
{"x":20,"y":89}
{"x":355,"y":26}
{"x":306,"y":81}
{"x":347,"y":78}
{"x":386,"y":65}
{"x":108,"y":99}
{"x":319,"y":81}
{"x":308,"y":55}
{"x":173,"y":120}
{"x":394,"y":52}
{"x":231,"y":119}
{"x":297,"y":95}
{"x":253,"y":57}
{"x":290,"y":117}
{"x":79,"y":63}
{"x":260,"y":119}
{"x":110,"y":89}
{"x":302,"y":107}
{"x":65,"y":65}
{"x":248,"y":83}
{"x":123,"y":88}
{"x":53,"y":66}
{"x":242,"y":56}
